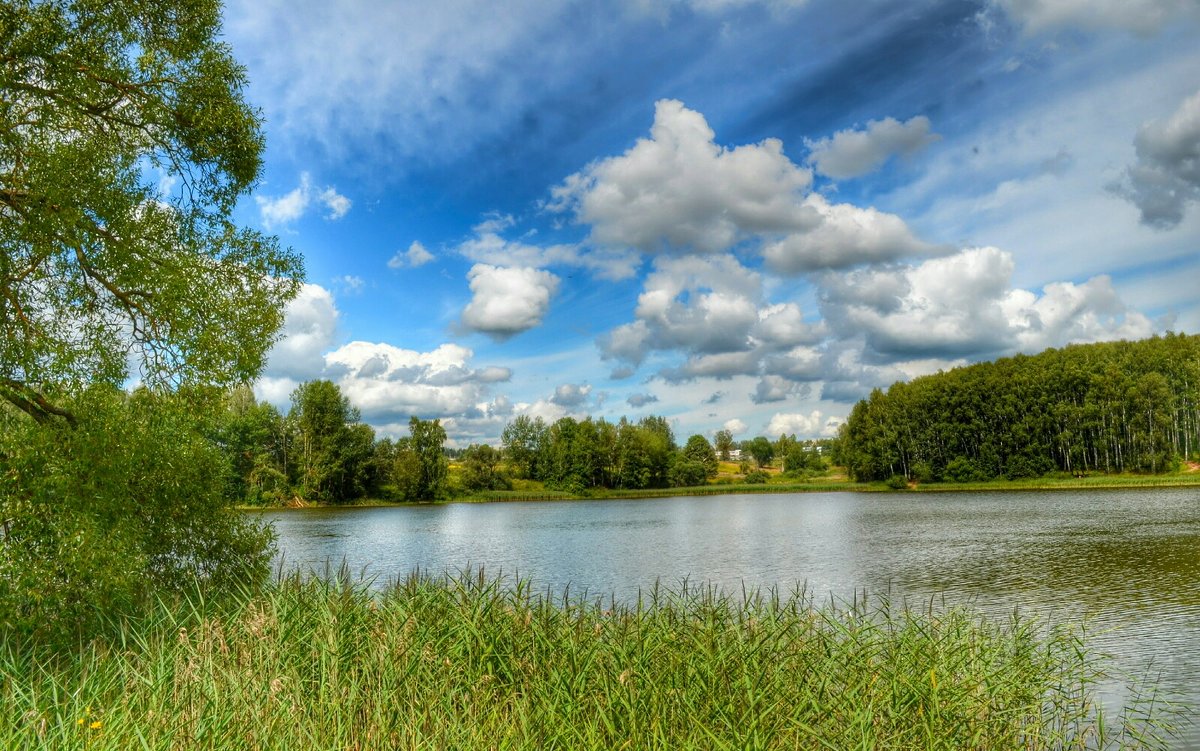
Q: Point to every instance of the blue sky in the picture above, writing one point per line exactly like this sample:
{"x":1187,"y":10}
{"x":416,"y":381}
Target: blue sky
{"x":734,"y":213}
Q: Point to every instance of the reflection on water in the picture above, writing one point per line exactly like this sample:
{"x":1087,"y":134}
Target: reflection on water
{"x":1128,"y":561}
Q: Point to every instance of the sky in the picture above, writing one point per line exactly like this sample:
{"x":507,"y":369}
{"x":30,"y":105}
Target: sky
{"x":737,"y":214}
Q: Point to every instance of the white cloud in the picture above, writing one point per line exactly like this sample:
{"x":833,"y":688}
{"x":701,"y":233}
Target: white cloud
{"x":507,"y":301}
{"x":735,"y":426}
{"x":1166,"y":176}
{"x":337,"y":204}
{"x":844,"y":236}
{"x":722,"y":365}
{"x":679,"y":190}
{"x":637,"y":401}
{"x":416,"y":255}
{"x":963,"y":305}
{"x":853,"y":153}
{"x":285,"y":209}
{"x":571,"y":395}
{"x":490,"y":248}
{"x":419,"y":81}
{"x":388,"y":383}
{"x":812,"y":425}
{"x":776,"y":388}
{"x":701,"y":305}
{"x":350,"y":283}
{"x":309,"y":328}
{"x":1142,"y":17}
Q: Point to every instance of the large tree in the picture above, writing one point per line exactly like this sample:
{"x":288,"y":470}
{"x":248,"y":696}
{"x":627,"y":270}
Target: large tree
{"x":125,"y":143}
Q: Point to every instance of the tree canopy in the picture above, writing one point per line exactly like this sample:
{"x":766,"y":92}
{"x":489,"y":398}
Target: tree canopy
{"x":125,"y":143}
{"x":1109,"y":407}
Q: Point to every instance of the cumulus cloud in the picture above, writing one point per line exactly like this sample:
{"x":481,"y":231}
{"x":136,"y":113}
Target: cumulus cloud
{"x":776,"y":388}
{"x":283,"y":210}
{"x":388,"y":383}
{"x":309,"y":329}
{"x":1143,"y":17}
{"x":571,"y":395}
{"x":735,"y":426}
{"x":853,"y":153}
{"x":812,"y":425}
{"x":416,"y":255}
{"x":637,"y":401}
{"x":507,"y":301}
{"x":844,"y":236}
{"x":783,"y":325}
{"x":490,"y":248}
{"x":679,"y":190}
{"x":1166,"y":176}
{"x":963,"y":305}
{"x":722,"y":366}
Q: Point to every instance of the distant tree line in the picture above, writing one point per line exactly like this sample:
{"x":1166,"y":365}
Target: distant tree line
{"x":320,"y":450}
{"x":1109,"y":407}
{"x":578,"y":455}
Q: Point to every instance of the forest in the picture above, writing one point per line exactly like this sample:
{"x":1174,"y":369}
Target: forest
{"x":1093,"y":408}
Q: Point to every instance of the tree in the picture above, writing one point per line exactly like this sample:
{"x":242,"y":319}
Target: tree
{"x":762,"y":450}
{"x":700,"y":451}
{"x":522,"y":439}
{"x":431,"y":467}
{"x":104,"y":104}
{"x":723,"y":442}
{"x":134,"y":505}
{"x":481,"y":469}
{"x":125,"y":144}
{"x":334,"y":449}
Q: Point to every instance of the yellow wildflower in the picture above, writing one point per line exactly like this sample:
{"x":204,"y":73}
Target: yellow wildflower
{"x":95,"y":725}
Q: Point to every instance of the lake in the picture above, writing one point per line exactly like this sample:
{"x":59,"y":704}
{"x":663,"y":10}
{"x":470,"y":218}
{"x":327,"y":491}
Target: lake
{"x":1127,"y":561}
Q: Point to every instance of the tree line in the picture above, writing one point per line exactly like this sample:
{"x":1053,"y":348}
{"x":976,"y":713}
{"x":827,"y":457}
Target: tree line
{"x":1109,"y":407}
{"x":320,"y":450}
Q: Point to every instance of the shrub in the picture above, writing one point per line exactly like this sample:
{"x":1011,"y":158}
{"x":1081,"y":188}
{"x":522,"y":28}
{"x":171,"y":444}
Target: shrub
{"x":100,"y":517}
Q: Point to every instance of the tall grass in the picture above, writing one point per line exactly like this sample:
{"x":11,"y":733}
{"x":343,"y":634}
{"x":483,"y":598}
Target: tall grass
{"x":475,"y":663}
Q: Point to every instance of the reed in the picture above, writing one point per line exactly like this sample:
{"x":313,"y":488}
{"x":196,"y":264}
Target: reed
{"x":471,"y":662}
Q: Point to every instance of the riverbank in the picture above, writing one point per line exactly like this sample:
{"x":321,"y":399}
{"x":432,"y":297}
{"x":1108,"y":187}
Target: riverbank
{"x":471,"y":663}
{"x":777,"y":484}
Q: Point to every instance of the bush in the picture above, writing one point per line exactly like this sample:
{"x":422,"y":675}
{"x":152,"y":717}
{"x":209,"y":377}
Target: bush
{"x":756,"y":477}
{"x":897,"y":482}
{"x":688,"y":474}
{"x":962,"y":469}
{"x":100,"y":517}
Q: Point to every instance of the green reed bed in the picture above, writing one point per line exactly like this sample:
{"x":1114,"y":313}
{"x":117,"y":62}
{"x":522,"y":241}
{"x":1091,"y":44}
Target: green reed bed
{"x":476,"y":663}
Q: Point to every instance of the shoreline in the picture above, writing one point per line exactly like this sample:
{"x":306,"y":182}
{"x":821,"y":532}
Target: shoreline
{"x":1187,"y":479}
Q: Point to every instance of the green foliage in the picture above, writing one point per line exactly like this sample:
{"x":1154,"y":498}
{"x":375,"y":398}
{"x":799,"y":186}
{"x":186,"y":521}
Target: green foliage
{"x":801,"y":459}
{"x":897,"y":482}
{"x":333,"y":451}
{"x":1110,"y":407}
{"x":723,"y":443}
{"x":421,"y":465}
{"x":761,"y":449}
{"x":699,"y":451}
{"x":756,"y":477}
{"x":482,"y":470}
{"x":101,"y":101}
{"x":522,"y":441}
{"x":469,"y":663}
{"x":96,"y":519}
{"x":686,"y":473}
